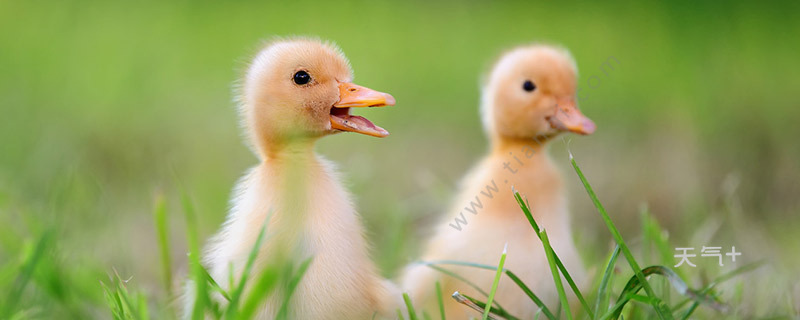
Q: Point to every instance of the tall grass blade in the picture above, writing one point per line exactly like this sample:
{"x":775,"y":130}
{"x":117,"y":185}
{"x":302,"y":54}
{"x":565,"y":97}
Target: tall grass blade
{"x":525,"y":206}
{"x":295,"y":280}
{"x":655,"y":237}
{"x":439,"y":299}
{"x":634,"y":285}
{"x":264,"y":285}
{"x":143,"y":311}
{"x":412,"y":315}
{"x":617,"y":236}
{"x":496,"y":282}
{"x":214,"y":285}
{"x":458,"y":277}
{"x":602,"y":290}
{"x":717,"y":281}
{"x":562,"y":295}
{"x":124,"y":304}
{"x":236,"y":293}
{"x":530,"y":294}
{"x":160,"y":217}
{"x":201,"y":299}
{"x":509,"y":273}
{"x":496,"y":311}
{"x":25,"y":274}
{"x":460,"y":298}
{"x":114,"y":302}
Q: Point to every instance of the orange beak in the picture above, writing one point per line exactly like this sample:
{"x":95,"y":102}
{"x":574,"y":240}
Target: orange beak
{"x":355,"y":96}
{"x":568,"y":118}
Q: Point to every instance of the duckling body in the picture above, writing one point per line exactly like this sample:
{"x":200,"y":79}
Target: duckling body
{"x":295,"y":92}
{"x":500,"y":221}
{"x":519,"y":123}
{"x":341,"y":282}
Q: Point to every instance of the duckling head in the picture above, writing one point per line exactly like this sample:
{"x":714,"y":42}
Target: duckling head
{"x":530,"y":93}
{"x":301,"y":90}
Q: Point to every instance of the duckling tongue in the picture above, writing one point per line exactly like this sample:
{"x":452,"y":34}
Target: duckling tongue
{"x":346,"y":122}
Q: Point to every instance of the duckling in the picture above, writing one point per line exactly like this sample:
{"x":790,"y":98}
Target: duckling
{"x":295,"y":92}
{"x":527,"y":100}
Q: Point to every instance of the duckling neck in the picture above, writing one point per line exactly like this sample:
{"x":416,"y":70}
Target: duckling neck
{"x":300,"y":149}
{"x":535,"y":145}
{"x":525,"y":165}
{"x":519,"y":160}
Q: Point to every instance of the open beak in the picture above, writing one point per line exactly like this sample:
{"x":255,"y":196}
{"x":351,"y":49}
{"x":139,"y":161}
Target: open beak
{"x":568,"y":118}
{"x":355,"y":96}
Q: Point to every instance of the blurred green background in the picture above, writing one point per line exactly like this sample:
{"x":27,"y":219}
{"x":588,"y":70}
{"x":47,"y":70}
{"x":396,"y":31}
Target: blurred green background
{"x":105,"y":104}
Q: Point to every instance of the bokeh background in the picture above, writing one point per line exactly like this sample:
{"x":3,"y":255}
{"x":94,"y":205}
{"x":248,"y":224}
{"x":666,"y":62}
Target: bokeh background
{"x":106,"y":105}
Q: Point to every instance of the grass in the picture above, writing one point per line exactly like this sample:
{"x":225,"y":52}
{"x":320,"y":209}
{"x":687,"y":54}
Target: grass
{"x":658,"y":306}
{"x":243,"y":298}
{"x":440,"y":300}
{"x":556,"y":276}
{"x":124,"y":301}
{"x":603,"y":309}
{"x":496,"y":281}
{"x":612,"y":299}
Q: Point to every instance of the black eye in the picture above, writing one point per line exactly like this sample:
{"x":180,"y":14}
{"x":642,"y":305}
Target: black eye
{"x":301,"y":77}
{"x":528,"y":86}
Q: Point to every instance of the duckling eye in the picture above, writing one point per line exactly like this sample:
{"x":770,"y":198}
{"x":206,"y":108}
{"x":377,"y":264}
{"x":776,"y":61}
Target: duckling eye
{"x":528,"y":86}
{"x":301,"y":77}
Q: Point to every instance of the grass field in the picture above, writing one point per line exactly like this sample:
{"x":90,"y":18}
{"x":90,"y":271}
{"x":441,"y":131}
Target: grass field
{"x":110,"y":109}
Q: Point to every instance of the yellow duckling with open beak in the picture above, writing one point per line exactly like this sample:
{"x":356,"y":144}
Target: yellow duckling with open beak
{"x":295,"y":92}
{"x":528,"y":100}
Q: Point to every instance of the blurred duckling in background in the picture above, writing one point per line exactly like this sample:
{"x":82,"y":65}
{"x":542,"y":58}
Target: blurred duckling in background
{"x":528,"y":100}
{"x":295,"y":92}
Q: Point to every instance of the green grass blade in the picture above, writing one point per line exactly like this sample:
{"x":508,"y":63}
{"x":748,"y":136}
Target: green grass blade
{"x":642,"y":299}
{"x":614,"y":312}
{"x":675,"y":281}
{"x":511,"y":275}
{"x":236,"y":293}
{"x":496,"y":282}
{"x":126,"y":299}
{"x":530,"y":294}
{"x":496,"y":311}
{"x":655,"y":237}
{"x":237,"y":289}
{"x":602,"y":290}
{"x":562,"y":295}
{"x":412,"y":315}
{"x":617,"y":236}
{"x":529,"y":215}
{"x":457,"y":277}
{"x":114,"y":302}
{"x":201,"y":299}
{"x":717,"y":281}
{"x":295,"y":280}
{"x":634,"y":285}
{"x":25,"y":275}
{"x":143,"y":311}
{"x":470,"y":303}
{"x":160,"y":217}
{"x":264,"y":285}
{"x":214,"y":285}
{"x":440,"y":299}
